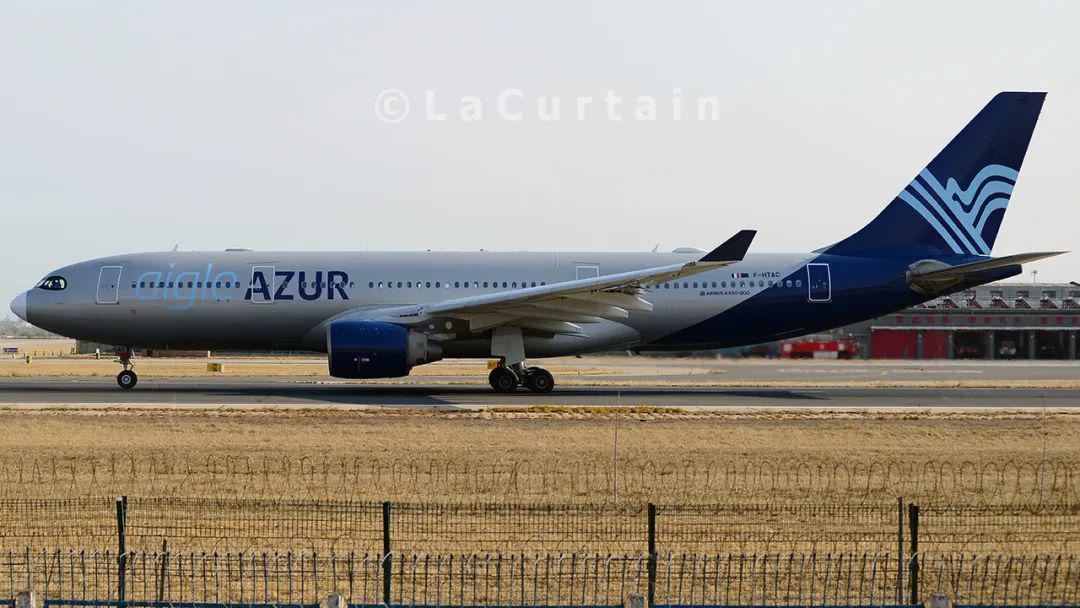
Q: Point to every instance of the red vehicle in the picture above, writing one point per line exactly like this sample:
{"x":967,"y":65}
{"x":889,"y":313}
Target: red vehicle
{"x":828,"y":348}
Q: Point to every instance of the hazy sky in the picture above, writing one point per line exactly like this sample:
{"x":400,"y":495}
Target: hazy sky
{"x":135,"y":126}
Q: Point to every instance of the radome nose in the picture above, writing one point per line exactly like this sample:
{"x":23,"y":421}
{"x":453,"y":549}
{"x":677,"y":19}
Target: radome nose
{"x":18,"y":306}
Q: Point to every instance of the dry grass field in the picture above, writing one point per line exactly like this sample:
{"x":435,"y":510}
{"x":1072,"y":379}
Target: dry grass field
{"x":82,"y":451}
{"x":790,"y":480}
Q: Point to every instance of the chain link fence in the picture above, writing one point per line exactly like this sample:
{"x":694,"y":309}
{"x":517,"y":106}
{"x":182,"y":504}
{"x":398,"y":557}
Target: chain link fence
{"x":831,"y":579}
{"x":268,"y":525}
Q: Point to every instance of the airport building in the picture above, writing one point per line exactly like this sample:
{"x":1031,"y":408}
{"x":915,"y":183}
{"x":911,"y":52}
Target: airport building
{"x":995,"y":321}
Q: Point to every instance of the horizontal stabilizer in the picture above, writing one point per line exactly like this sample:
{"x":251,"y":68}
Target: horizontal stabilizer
{"x":932,"y":276}
{"x":733,"y":249}
{"x":965,"y":270}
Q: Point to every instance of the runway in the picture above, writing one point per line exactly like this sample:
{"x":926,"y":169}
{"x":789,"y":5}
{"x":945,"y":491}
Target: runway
{"x":308,"y":392}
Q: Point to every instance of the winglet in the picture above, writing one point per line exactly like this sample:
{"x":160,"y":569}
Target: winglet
{"x":733,"y":249}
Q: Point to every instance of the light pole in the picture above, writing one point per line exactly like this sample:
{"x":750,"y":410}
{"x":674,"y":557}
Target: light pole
{"x":1034,"y":274}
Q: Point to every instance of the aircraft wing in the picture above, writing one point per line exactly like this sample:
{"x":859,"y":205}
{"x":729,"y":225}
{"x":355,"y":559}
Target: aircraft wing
{"x":560,"y":307}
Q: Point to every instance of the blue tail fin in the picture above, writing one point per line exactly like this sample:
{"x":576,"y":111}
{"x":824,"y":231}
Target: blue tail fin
{"x":955,"y":205}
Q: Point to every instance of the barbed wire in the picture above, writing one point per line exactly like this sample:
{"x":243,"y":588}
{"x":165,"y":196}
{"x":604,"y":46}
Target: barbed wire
{"x":1026,"y":483}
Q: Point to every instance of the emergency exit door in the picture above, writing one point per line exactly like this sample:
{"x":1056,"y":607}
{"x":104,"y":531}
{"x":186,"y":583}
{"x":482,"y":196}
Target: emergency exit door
{"x":819,"y":281}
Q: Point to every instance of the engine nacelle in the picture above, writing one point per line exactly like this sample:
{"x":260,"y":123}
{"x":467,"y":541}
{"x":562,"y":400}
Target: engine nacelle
{"x":370,"y":349}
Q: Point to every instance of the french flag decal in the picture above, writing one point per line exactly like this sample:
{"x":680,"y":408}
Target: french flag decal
{"x":740,"y":275}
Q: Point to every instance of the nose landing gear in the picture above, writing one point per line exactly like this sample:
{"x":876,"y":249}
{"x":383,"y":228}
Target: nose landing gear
{"x":127,"y":378}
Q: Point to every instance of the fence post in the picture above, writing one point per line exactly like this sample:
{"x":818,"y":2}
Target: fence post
{"x":900,"y":550}
{"x":335,"y":600}
{"x":652,"y":555}
{"x":26,"y":599}
{"x":387,"y":561}
{"x":121,"y":554}
{"x":164,"y":569}
{"x":913,"y":522}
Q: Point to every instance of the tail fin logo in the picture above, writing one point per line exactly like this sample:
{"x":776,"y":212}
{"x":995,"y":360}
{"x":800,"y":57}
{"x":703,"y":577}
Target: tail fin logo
{"x":958,"y":214}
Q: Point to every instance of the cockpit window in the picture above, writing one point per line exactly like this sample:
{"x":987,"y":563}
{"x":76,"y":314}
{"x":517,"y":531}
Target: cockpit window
{"x":53,"y":283}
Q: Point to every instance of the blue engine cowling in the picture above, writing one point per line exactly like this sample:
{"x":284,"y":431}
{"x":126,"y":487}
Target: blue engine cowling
{"x":370,"y":349}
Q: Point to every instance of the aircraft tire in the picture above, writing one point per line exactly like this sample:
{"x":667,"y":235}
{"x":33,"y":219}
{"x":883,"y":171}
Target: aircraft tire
{"x":539,"y":380}
{"x":127,"y":379}
{"x":503,"y":380}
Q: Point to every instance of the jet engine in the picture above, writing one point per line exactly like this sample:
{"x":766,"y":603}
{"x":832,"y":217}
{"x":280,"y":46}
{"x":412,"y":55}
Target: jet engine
{"x":371,"y":349}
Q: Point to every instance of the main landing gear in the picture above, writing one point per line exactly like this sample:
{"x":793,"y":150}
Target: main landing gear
{"x":127,"y":378}
{"x":508,"y":345}
{"x":506,"y":379}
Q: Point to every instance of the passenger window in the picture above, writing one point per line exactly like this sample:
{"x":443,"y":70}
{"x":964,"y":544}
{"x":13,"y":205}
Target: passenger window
{"x":714,"y":284}
{"x":798,"y":283}
{"x":761,"y":283}
{"x":408,"y":284}
{"x":742,"y":283}
{"x":399,"y":284}
{"x":787,"y":283}
{"x":514,"y":284}
{"x":457,"y":284}
{"x":533,"y":284}
{"x":723,"y":284}
{"x":485,"y":284}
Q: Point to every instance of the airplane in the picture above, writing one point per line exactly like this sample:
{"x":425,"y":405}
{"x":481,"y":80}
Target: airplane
{"x":377,"y":315}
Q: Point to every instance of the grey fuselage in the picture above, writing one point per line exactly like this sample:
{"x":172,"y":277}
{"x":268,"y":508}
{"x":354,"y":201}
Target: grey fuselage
{"x":207,"y":300}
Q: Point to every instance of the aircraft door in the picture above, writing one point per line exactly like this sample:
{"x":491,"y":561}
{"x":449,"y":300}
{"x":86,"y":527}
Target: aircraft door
{"x":262,"y":285}
{"x":819,"y":281}
{"x":108,"y":287}
{"x":588,"y":271}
